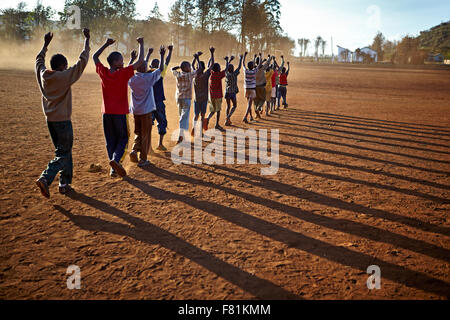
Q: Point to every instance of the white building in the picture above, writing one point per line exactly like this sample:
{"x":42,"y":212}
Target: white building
{"x":344,"y":55}
{"x":358,"y":55}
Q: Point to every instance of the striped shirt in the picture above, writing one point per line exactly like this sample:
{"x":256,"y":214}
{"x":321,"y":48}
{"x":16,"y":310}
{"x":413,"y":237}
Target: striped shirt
{"x":250,"y":78}
{"x":184,"y":84}
{"x":231,"y":82}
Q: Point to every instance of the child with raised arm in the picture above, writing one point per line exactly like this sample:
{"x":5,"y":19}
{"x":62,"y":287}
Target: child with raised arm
{"x":216,"y":91}
{"x":231,"y":89}
{"x":115,"y":107}
{"x":261,"y":84}
{"x":282,"y":92}
{"x":55,"y":86}
{"x":201,"y":86}
{"x":250,"y":86}
{"x":184,"y":93}
{"x":158,"y":91}
{"x":276,"y":79}
{"x":269,"y":74}
{"x":142,"y":107}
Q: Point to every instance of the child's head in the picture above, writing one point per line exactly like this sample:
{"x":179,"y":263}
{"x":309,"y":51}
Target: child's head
{"x":202,"y":65}
{"x":115,"y":60}
{"x":230,"y":68}
{"x":185,"y":66}
{"x":251,"y":65}
{"x":216,"y":67}
{"x":155,"y":64}
{"x":58,"y":62}
{"x":283,"y":70}
{"x":142,"y":68}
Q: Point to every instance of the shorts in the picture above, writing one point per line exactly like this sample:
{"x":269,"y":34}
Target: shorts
{"x":261,"y":93}
{"x":231,"y":96}
{"x":274,"y":92}
{"x":200,"y":107}
{"x":215,"y":105}
{"x":250,"y":93}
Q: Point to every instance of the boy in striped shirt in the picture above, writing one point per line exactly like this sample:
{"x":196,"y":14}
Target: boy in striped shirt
{"x":250,"y":85}
{"x":232,"y":89}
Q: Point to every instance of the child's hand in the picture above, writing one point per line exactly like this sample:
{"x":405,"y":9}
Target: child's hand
{"x":48,"y":38}
{"x":170,"y":47}
{"x":162,"y":50}
{"x":110,"y":41}
{"x":199,"y":53}
{"x":282,"y":57}
{"x":87,"y":33}
{"x":226,"y":58}
{"x":150,"y":51}
{"x":212,"y":49}
{"x":133,"y":55}
{"x":140,"y":40}
{"x":176,"y":68}
{"x":241,"y":56}
{"x":231,"y":58}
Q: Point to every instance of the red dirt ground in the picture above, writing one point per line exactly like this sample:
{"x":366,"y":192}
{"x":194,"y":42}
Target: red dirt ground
{"x":363,"y":180}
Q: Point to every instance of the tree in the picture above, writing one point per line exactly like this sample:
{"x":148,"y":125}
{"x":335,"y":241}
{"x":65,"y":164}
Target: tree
{"x":16,"y":22}
{"x":317,"y":44}
{"x":300,"y":44}
{"x":155,"y":13}
{"x":377,"y":45}
{"x":323,"y":44}
{"x":305,"y":45}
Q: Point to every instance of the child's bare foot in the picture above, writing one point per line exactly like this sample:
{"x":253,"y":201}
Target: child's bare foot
{"x":180,"y":140}
{"x":134,"y":157}
{"x":192,"y":132}
{"x":245,"y":120}
{"x":161,"y":148}
{"x":43,"y":186}
{"x":205,"y":124}
{"x":118,"y":168}
{"x":228,"y":122}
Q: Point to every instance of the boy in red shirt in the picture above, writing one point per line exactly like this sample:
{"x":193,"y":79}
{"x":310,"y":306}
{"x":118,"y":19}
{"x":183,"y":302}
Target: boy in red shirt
{"x":216,"y":91}
{"x":115,"y":107}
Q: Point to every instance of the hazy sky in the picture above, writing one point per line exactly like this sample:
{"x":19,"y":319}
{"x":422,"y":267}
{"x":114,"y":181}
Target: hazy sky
{"x":351,"y":23}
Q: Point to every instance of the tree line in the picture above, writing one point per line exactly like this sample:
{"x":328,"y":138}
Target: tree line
{"x":229,"y":25}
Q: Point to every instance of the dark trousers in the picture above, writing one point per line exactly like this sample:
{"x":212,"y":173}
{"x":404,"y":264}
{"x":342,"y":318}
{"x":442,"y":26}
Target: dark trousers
{"x":115,"y":127}
{"x":282,"y":91}
{"x":142,"y":130}
{"x":160,"y":115}
{"x":61,"y":133}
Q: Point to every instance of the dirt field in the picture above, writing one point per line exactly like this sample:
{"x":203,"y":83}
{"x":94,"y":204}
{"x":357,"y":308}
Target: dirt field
{"x":363,"y":180}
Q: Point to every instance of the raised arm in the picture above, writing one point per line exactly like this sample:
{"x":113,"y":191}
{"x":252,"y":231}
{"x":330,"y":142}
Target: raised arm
{"x":40,"y":58}
{"x":240,"y":63}
{"x":243,"y":61}
{"x":211,"y":60}
{"x":282,"y":64}
{"x":140,"y":60}
{"x":133,"y":57}
{"x":74,"y":73}
{"x":162,"y":53}
{"x":149,"y":54}
{"x":289,"y":68}
{"x":228,"y":61}
{"x":97,"y":54}
{"x":169,"y":56}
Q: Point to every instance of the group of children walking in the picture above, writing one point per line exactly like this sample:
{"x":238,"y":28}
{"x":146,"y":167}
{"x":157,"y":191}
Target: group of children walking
{"x":265,"y":83}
